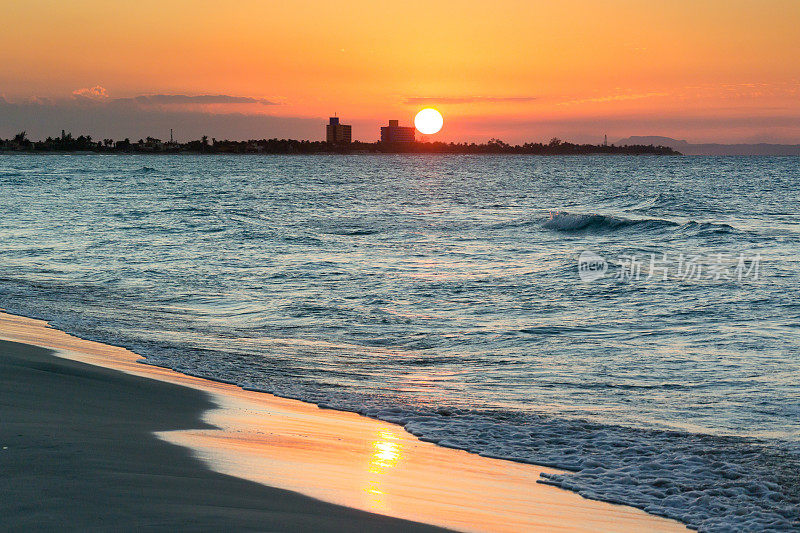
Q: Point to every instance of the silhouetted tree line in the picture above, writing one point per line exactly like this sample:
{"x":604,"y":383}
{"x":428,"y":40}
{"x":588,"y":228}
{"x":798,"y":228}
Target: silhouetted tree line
{"x":68,"y":143}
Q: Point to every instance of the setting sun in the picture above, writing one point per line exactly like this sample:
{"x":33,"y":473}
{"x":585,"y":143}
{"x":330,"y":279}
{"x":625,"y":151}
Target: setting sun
{"x":428,"y":121}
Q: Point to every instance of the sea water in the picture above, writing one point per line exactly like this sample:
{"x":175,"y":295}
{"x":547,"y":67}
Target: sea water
{"x":634,"y":320}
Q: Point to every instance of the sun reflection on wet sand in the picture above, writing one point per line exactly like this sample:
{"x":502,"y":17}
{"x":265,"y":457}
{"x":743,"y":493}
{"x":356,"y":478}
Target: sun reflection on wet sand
{"x":386,"y":453}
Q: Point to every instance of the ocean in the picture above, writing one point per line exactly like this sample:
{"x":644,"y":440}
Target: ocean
{"x":634,"y":320}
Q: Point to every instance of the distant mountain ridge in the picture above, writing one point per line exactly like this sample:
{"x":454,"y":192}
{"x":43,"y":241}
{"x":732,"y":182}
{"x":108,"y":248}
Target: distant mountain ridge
{"x":687,"y":148}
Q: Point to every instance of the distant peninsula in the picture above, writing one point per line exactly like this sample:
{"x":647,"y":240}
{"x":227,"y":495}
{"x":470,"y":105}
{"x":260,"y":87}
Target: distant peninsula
{"x":687,"y":148}
{"x":151,"y":145}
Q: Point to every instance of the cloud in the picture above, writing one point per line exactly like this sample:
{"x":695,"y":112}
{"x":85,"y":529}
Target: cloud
{"x":93,"y":93}
{"x":614,"y":98}
{"x":100,"y":94}
{"x":423,"y":100}
{"x":203,"y":99}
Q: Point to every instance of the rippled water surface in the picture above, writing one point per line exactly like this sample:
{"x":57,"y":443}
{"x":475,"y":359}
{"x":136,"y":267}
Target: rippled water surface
{"x":443,"y":293}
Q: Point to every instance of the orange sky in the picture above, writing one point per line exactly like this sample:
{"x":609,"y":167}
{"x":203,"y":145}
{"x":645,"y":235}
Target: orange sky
{"x":726,"y":70}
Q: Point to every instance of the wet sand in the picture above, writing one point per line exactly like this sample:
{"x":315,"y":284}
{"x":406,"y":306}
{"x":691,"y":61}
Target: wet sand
{"x":91,"y":438}
{"x":78,"y":452}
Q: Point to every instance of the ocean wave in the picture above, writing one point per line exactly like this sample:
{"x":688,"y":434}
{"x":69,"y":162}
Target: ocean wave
{"x":569,"y":222}
{"x":555,"y":330}
{"x":575,"y":222}
{"x":645,"y":205}
{"x":707,"y":228}
{"x":660,"y":201}
{"x":355,"y":232}
{"x":10,"y":174}
{"x":301,"y":239}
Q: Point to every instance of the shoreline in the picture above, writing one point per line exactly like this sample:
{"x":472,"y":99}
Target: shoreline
{"x":347,"y":459}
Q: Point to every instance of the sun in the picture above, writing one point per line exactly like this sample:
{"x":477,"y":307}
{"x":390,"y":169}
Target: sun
{"x":428,"y":121}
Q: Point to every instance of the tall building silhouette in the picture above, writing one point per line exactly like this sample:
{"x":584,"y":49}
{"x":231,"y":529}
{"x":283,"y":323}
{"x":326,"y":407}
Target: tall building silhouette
{"x":336,"y":133}
{"x":395,"y":133}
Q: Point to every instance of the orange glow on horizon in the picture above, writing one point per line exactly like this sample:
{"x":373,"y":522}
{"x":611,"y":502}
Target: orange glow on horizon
{"x":718,"y":69}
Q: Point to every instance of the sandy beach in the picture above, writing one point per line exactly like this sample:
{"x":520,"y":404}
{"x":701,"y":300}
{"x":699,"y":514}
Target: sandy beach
{"x":78,"y":453}
{"x":92,"y":434}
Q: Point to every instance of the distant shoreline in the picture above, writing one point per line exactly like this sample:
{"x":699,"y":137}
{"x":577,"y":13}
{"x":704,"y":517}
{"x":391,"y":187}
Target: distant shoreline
{"x":66,"y":143}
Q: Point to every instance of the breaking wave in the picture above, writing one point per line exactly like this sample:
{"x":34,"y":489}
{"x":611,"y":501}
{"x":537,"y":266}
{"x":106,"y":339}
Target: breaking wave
{"x":567,"y":222}
{"x":576,"y":222}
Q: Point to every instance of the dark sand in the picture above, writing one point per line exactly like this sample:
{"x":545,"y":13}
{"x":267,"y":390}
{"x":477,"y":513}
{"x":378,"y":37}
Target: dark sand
{"x":77,"y":452}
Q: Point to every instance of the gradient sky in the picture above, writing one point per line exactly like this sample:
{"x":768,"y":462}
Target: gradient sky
{"x":703,"y":70}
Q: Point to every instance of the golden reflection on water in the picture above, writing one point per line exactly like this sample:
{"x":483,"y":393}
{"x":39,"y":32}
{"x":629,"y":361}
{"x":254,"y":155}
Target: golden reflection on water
{"x":386,"y":453}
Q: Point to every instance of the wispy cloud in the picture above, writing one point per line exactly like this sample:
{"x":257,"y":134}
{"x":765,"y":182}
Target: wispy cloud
{"x":424,"y":100}
{"x":93,"y":93}
{"x":100,"y":94}
{"x":614,"y":98}
{"x":203,"y":99}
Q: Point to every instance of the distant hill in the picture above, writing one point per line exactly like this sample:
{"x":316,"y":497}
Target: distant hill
{"x":687,"y":148}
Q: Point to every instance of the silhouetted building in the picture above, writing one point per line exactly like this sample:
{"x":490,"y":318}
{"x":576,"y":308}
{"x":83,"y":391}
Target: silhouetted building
{"x":338,"y":133}
{"x":395,"y":133}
